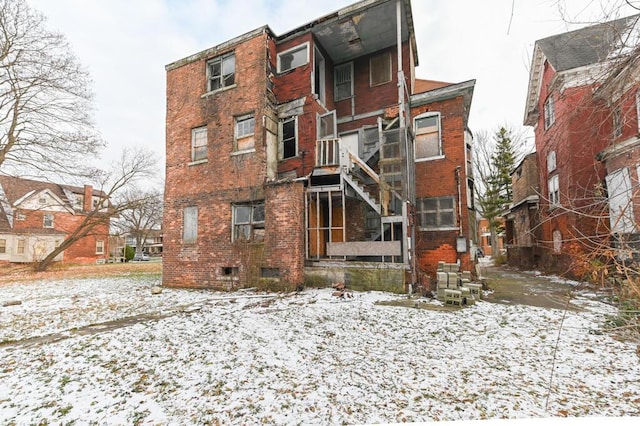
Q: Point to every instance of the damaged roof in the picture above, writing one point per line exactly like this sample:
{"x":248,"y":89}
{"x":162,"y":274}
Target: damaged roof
{"x":359,"y":29}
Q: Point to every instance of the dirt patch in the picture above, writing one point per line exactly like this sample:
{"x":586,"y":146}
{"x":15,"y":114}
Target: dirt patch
{"x":525,"y":288}
{"x":20,"y":273}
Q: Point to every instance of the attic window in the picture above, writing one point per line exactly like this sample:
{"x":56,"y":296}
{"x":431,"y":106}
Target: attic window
{"x":42,"y":201}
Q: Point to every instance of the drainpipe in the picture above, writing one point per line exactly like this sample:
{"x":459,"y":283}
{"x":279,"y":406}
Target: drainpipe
{"x":459,"y":198}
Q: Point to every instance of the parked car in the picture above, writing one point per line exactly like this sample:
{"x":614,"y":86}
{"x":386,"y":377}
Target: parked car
{"x":141,"y":257}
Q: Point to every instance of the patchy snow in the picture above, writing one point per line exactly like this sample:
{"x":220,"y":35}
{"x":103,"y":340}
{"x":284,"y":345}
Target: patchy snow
{"x":307,"y":358}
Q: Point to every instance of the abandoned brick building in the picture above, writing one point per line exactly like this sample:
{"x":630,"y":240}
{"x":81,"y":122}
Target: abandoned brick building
{"x":313,"y":157}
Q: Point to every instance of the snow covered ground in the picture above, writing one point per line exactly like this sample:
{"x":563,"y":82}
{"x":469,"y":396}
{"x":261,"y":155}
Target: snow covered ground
{"x":218,"y":358}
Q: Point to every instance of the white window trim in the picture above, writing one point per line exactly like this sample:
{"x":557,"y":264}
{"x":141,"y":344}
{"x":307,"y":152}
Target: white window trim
{"x":440,"y":148}
{"x":335,"y":83}
{"x":638,"y":109}
{"x":551,"y":161}
{"x":100,"y":243}
{"x":44,"y":221}
{"x":301,"y":46}
{"x":318,"y":56}
{"x":549,"y":112}
{"x":452,"y":227}
{"x":194,"y":131}
{"x":281,"y":136}
{"x":319,"y":127}
{"x":553,"y":183}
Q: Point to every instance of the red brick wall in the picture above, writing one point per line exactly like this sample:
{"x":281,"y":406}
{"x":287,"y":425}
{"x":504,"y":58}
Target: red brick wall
{"x":582,"y":128}
{"x":437,"y":178}
{"x":84,"y":250}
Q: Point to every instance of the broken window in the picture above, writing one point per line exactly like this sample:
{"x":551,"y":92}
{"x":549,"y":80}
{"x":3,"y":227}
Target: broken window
{"x":428,"y":141}
{"x":221,"y":71}
{"x":549,"y":113}
{"x":199,"y":144}
{"x":47,"y":221}
{"x":551,"y":161}
{"x":293,"y":58}
{"x":437,"y":212}
{"x":327,"y":126}
{"x":343,"y":81}
{"x":620,"y":191}
{"x":245,"y":127}
{"x":288,"y":138}
{"x":3,"y":246}
{"x":380,"y":69}
{"x":554,"y":191}
{"x":230,"y":271}
{"x":248,"y":222}
{"x":617,"y":123}
{"x":190,"y":225}
{"x":99,"y":247}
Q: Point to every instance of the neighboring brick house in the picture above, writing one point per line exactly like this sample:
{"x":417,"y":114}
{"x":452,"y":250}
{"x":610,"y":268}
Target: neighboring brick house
{"x":300,"y":158}
{"x":572,"y":125}
{"x":35,"y":217}
{"x":522,"y":222}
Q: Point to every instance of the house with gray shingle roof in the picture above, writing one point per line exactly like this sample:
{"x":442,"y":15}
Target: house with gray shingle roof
{"x":578,"y":112}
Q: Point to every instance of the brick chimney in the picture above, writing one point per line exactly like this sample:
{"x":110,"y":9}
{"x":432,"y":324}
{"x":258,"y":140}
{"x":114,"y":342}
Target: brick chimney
{"x":87,"y":203}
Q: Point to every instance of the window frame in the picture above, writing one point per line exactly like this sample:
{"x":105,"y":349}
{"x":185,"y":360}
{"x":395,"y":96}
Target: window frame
{"x":553,"y":190}
{"x":99,"y":246}
{"x":618,"y":122}
{"x":194,"y":147}
{"x":281,"y":140}
{"x":47,"y":220}
{"x":336,"y":92}
{"x":387,"y":56}
{"x":549,"y":112}
{"x":334,"y":123}
{"x":221,"y":78}
{"x":551,"y":161}
{"x":417,"y":132}
{"x":3,"y":245}
{"x":21,"y":246}
{"x":238,"y":126}
{"x":422,"y":212}
{"x":302,"y":46}
{"x":252,"y":223}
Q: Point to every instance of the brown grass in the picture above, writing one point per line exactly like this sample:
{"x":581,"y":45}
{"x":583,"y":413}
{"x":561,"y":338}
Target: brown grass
{"x":13,"y":273}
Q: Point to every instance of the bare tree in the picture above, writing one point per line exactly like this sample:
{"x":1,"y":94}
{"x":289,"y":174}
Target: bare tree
{"x":143,"y":215}
{"x":115,"y":197}
{"x":45,"y":102}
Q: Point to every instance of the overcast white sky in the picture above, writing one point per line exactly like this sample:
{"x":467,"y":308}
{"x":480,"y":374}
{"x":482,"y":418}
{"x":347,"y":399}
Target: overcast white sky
{"x":126,"y":43}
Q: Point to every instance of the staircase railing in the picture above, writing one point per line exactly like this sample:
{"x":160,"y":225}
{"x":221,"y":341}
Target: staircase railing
{"x":327,"y":152}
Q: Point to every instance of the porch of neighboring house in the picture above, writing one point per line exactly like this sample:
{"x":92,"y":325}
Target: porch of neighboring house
{"x":357,"y":215}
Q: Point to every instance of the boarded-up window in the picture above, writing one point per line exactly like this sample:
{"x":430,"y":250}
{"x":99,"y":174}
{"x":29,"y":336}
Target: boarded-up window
{"x":190,"y":225}
{"x":551,"y":161}
{"x":427,"y":130}
{"x":380,"y":69}
{"x":557,"y":241}
{"x":620,"y":202}
{"x":245,"y":128}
